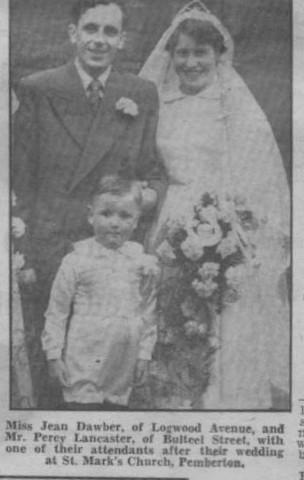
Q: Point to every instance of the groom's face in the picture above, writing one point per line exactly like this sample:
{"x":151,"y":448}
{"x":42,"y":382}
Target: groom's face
{"x":97,"y":37}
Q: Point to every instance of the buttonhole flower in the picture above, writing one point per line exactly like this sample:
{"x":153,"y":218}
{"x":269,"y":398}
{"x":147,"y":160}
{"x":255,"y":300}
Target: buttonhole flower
{"x":127,"y":106}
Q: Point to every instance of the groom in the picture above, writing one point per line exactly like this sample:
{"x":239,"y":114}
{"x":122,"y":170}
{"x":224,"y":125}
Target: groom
{"x":75,"y":124}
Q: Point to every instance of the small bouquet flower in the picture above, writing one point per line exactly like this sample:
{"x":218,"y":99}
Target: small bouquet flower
{"x":208,"y":255}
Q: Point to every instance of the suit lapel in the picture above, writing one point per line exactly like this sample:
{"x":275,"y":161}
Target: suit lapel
{"x":69,"y":104}
{"x":106,"y":127}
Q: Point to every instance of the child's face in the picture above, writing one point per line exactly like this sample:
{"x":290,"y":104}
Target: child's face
{"x":113,"y":218}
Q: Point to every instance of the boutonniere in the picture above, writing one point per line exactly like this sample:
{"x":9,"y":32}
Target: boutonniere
{"x":127,"y":106}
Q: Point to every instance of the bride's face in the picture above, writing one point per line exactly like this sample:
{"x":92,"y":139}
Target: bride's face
{"x":195,"y":64}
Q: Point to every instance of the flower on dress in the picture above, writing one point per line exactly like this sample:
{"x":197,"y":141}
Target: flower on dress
{"x":192,"y":247}
{"x":127,"y":106}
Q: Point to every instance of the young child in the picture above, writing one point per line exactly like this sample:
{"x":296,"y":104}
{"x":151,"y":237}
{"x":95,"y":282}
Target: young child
{"x":100,"y":328}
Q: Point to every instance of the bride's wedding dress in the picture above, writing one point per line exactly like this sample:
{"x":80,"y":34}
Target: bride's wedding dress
{"x":220,"y":140}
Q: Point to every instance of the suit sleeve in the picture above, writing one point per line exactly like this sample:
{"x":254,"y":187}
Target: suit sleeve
{"x":24,"y":160}
{"x":151,"y":167}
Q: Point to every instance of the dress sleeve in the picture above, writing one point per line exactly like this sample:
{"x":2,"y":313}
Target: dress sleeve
{"x":150,"y":282}
{"x":59,"y":308}
{"x":150,"y":167}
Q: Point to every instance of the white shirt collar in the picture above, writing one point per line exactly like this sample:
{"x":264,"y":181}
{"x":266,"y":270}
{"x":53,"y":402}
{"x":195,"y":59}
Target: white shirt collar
{"x":86,"y":79}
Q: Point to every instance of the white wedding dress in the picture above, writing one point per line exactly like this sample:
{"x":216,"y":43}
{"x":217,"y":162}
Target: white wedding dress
{"x":253,"y":332}
{"x":220,"y":140}
{"x":191,"y":141}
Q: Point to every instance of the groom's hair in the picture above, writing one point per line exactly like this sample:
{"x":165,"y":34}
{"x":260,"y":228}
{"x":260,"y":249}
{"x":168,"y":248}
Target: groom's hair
{"x":81,"y":6}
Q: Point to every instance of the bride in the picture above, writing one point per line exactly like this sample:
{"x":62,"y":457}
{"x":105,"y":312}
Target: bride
{"x":213,"y":136}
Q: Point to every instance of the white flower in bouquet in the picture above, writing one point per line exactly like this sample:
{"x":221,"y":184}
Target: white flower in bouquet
{"x":209,"y":270}
{"x":208,"y":214}
{"x":202,"y":330}
{"x":228,"y":245}
{"x":187,"y":308}
{"x":205,"y":288}
{"x":235,"y":276}
{"x":227,"y":211}
{"x":191,"y":328}
{"x":165,"y":252}
{"x":192,"y":247}
{"x":209,"y":235}
{"x":190,"y":225}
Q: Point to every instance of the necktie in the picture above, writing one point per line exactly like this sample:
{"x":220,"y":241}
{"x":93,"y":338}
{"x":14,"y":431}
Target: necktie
{"x":95,"y":93}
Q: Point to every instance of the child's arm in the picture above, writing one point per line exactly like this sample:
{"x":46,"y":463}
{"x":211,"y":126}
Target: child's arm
{"x":57,"y":315}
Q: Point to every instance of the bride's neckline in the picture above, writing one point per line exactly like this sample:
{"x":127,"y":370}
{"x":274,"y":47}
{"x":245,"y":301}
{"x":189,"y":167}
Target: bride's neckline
{"x":173,"y":92}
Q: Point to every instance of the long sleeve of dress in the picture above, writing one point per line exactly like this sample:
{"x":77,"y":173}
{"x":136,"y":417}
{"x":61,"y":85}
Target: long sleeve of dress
{"x":59,"y":309}
{"x":150,"y":167}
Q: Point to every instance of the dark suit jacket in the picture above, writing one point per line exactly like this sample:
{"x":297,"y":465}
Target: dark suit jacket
{"x":61,"y":150}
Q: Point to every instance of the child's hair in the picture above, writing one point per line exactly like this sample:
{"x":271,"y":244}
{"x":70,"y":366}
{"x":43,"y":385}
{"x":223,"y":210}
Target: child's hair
{"x":119,"y":186}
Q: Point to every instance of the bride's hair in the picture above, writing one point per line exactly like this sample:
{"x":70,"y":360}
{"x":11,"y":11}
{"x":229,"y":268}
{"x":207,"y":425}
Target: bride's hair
{"x":201,"y":31}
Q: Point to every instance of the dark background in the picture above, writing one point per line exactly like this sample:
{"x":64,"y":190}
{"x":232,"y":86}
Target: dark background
{"x":261,"y":30}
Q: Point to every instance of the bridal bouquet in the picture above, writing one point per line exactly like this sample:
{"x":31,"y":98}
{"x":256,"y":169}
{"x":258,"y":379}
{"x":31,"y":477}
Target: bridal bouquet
{"x":208,"y":254}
